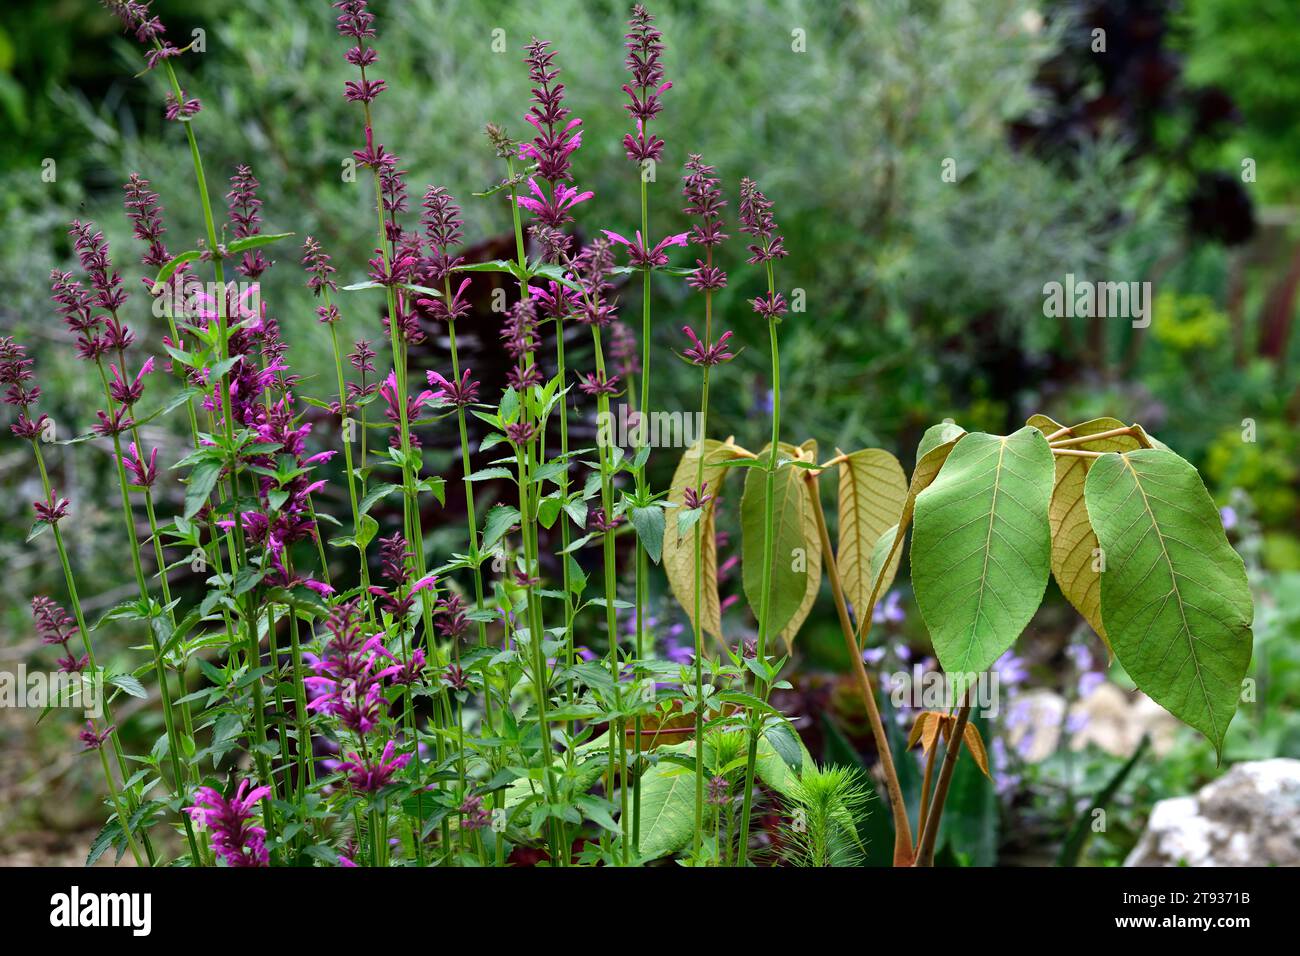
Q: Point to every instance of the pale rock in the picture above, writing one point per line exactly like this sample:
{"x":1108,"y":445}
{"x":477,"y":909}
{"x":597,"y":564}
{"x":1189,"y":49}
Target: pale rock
{"x":1248,"y":817}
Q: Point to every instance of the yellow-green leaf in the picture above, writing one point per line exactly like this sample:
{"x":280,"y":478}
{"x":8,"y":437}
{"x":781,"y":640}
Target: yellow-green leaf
{"x":679,"y":545}
{"x":1074,"y":545}
{"x":795,"y":546}
{"x":872,"y":493}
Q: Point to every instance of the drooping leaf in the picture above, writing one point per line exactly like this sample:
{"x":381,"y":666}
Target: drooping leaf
{"x":935,"y":446}
{"x":1174,"y":595}
{"x":679,"y":544}
{"x":975,"y":744}
{"x":981,"y":546}
{"x":1073,"y":543}
{"x":872,"y":492}
{"x":794,"y":540}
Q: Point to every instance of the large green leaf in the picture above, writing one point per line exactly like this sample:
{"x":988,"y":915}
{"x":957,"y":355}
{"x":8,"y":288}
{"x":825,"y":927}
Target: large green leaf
{"x":667,"y":809}
{"x":872,"y":493}
{"x":679,"y":543}
{"x":794,"y":539}
{"x":936,"y":445}
{"x":1174,"y":595}
{"x":1073,"y":542}
{"x":980,"y":549}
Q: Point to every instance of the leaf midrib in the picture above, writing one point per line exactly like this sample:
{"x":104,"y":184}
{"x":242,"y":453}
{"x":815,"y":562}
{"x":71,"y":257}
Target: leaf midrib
{"x":1173,"y":583}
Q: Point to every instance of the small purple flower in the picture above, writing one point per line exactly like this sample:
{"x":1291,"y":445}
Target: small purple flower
{"x":593,"y":384}
{"x":52,"y":511}
{"x":181,"y":109}
{"x":459,"y":394}
{"x":1228,"y":515}
{"x":704,"y":354}
{"x":92,"y":740}
{"x":695,"y":498}
{"x":142,"y":474}
{"x":521,"y":433}
{"x":476,"y":816}
{"x":1011,"y":670}
{"x":642,"y":257}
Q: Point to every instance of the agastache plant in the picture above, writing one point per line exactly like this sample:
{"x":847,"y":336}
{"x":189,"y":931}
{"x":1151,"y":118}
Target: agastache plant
{"x":361,"y":701}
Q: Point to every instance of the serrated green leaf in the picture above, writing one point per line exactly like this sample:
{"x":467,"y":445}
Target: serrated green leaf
{"x":1174,"y":595}
{"x":981,"y":546}
{"x":649,"y":525}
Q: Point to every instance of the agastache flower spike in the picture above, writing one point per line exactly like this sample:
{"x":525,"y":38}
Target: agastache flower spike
{"x":644,"y":50}
{"x":145,"y":212}
{"x":756,"y":220}
{"x":245,"y":215}
{"x":235,"y":838}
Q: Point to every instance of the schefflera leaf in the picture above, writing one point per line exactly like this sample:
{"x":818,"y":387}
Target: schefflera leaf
{"x":1174,"y":595}
{"x":933,"y":450}
{"x":981,"y":546}
{"x":796,"y":547}
{"x":872,"y":492}
{"x":1074,"y":544}
{"x":679,"y":545}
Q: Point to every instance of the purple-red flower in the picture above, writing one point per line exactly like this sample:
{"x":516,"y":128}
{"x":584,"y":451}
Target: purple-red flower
{"x":704,"y":353}
{"x":52,"y":511}
{"x":142,"y":473}
{"x":237,"y":840}
{"x":90,"y":740}
{"x":647,"y":258}
{"x":368,"y":776}
{"x":452,"y":392}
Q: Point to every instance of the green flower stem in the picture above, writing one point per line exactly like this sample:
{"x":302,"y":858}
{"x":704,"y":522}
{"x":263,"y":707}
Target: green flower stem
{"x":699,"y":583}
{"x":410,"y":492}
{"x":160,"y":668}
{"x":75,"y":600}
{"x":366,"y":596}
{"x":642,"y":568}
{"x":471,"y":516}
{"x":611,"y":592}
{"x":765,"y":601}
{"x":528,"y":519}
